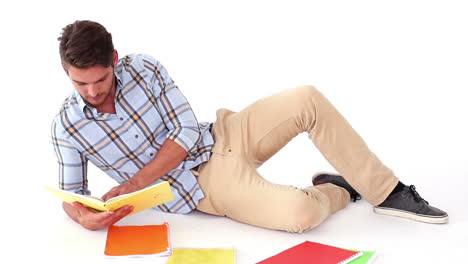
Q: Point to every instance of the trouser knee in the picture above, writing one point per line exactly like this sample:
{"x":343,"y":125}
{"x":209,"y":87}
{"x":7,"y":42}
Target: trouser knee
{"x":307,"y":92}
{"x":305,"y":216}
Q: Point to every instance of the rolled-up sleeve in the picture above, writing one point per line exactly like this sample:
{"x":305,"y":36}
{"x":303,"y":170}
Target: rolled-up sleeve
{"x":72,"y":164}
{"x":174,"y":108}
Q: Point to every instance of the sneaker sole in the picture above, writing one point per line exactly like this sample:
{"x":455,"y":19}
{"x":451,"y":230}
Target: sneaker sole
{"x":323,"y":172}
{"x":359,"y":197}
{"x":412,"y":216}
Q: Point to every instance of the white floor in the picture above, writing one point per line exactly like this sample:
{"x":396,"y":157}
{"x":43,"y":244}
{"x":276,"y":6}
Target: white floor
{"x":396,"y":241}
{"x":49,"y":233}
{"x":396,"y":70}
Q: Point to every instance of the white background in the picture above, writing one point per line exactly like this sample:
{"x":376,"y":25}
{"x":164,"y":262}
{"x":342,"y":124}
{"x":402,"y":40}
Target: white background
{"x":395,"y":69}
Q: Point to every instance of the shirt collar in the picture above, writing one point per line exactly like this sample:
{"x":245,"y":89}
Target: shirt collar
{"x":118,"y":73}
{"x":81,"y":102}
{"x":89,"y":111}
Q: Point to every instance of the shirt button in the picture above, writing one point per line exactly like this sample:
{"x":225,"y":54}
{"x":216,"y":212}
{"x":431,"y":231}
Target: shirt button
{"x":151,"y":154}
{"x":121,"y":119}
{"x":136,"y":136}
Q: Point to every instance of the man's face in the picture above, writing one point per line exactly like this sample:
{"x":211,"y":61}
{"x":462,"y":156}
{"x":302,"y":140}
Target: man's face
{"x":94,"y":84}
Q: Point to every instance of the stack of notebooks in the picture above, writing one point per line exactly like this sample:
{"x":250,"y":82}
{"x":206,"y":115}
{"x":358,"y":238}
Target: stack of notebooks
{"x":153,"y":241}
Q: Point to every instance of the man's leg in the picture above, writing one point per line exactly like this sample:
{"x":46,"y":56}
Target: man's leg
{"x":233,"y":188}
{"x":270,"y":123}
{"x":246,"y":139}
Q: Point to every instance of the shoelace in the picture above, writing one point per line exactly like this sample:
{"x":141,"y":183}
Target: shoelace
{"x":416,"y":195}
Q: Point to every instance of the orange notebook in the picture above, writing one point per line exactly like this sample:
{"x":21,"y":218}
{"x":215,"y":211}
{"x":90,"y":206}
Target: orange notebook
{"x":138,"y":241}
{"x":311,"y":252}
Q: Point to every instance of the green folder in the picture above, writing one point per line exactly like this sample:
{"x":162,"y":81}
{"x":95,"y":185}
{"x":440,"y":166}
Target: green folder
{"x":366,"y":258}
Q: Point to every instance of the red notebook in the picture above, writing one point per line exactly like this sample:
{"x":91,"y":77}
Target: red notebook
{"x":311,"y":252}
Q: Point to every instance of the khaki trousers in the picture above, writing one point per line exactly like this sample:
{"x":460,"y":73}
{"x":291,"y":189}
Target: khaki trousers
{"x":246,"y":139}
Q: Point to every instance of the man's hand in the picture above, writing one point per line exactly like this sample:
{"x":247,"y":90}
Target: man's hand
{"x":92,"y":220}
{"x":124,"y":188}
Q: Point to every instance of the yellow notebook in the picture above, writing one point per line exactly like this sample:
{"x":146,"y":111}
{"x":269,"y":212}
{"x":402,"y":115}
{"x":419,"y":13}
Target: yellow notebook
{"x":202,"y":255}
{"x":140,"y":200}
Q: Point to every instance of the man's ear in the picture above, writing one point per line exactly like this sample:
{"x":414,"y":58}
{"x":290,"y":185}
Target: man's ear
{"x":65,"y":68}
{"x":116,"y":58}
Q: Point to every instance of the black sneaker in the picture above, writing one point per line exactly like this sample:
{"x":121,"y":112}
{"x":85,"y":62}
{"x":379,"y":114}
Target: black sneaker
{"x":338,"y":180}
{"x":408,"y":204}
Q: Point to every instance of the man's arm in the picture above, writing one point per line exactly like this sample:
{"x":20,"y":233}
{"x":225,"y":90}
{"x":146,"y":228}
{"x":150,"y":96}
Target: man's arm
{"x":72,"y":177}
{"x":168,"y":157}
{"x":179,"y":119}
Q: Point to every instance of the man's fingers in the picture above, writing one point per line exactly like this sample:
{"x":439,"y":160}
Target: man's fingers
{"x":96,"y":220}
{"x":77,"y":205}
{"x":105,"y":196}
{"x":83,"y":210}
{"x":112,"y":193}
{"x":118,"y":214}
{"x":80,"y":207}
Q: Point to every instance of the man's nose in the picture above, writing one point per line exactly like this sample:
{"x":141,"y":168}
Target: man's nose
{"x":93,"y":90}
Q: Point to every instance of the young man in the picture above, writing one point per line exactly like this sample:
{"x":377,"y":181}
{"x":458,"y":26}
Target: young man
{"x":129,"y":119}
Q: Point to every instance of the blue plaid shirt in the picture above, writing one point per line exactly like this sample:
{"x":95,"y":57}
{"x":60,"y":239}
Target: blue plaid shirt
{"x":149,"y":109}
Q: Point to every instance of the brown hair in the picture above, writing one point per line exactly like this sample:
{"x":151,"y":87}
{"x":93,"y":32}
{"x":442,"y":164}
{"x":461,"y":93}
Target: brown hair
{"x":85,"y":44}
